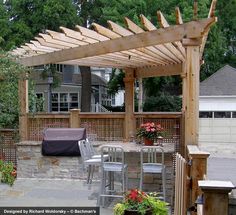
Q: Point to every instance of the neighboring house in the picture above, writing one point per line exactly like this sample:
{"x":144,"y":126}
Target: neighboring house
{"x":217,"y":108}
{"x":118,"y":98}
{"x":68,"y":94}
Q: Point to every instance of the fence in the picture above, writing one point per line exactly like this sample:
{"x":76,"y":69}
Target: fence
{"x":103,"y":126}
{"x":37,"y":123}
{"x":8,"y":138}
{"x":180,"y":206}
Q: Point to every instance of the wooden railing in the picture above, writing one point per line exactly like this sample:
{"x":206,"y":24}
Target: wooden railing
{"x":198,"y":171}
{"x":187,"y":174}
{"x":104,"y":126}
{"x":181,"y":178}
{"x":38,"y":122}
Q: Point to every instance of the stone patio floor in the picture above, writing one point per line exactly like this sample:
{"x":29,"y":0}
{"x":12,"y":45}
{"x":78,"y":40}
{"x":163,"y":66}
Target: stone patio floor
{"x":68,"y":193}
{"x":51,"y":193}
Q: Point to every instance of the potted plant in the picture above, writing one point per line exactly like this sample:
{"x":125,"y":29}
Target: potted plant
{"x":149,"y":132}
{"x":137,"y":202}
{"x":7,"y":172}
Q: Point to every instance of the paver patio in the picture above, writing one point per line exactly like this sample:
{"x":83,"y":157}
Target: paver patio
{"x":52,"y":193}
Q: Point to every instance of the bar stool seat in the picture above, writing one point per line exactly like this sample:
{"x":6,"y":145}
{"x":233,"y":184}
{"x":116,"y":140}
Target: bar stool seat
{"x":152,"y":165}
{"x":152,"y":168}
{"x":114,"y":167}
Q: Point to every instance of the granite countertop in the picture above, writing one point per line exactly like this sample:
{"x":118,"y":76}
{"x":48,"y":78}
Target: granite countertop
{"x":132,"y":146}
{"x":29,"y":143}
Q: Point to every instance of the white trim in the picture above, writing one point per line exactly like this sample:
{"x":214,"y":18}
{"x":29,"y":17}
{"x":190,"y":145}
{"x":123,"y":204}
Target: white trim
{"x":233,"y":96}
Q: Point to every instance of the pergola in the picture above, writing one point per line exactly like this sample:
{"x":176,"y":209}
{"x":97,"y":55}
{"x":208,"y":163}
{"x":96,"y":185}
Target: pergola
{"x":141,"y":52}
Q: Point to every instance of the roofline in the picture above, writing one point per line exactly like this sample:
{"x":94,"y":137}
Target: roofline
{"x":221,"y":96}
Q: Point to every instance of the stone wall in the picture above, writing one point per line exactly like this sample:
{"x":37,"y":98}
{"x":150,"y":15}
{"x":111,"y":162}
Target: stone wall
{"x":32,"y":164}
{"x":152,"y":182}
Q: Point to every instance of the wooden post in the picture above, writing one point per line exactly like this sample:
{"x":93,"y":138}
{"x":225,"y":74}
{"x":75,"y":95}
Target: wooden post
{"x":74,"y":118}
{"x":198,"y":169}
{"x":140,"y":95}
{"x":191,"y":91}
{"x":215,"y":196}
{"x":129,"y":104}
{"x":24,"y":109}
{"x":184,"y":107}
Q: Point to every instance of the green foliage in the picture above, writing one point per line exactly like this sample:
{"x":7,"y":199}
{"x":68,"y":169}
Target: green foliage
{"x":116,"y":82}
{"x":163,"y":102}
{"x":136,"y":200}
{"x":51,"y":71}
{"x":23,"y":19}
{"x":10,"y":73}
{"x":7,"y":172}
{"x":115,"y":108}
{"x":116,"y":10}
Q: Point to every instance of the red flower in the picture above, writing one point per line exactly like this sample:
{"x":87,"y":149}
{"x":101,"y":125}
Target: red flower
{"x":150,"y":130}
{"x":133,"y":195}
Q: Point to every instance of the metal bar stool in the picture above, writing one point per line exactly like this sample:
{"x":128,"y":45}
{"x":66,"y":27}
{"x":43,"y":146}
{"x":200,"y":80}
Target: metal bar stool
{"x":89,"y":162}
{"x":115,"y":163}
{"x":152,"y":165}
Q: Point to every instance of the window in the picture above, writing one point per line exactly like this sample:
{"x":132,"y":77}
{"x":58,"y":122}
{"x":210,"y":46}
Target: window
{"x":73,"y":100}
{"x":113,"y":100}
{"x":55,"y":104}
{"x":64,"y":101}
{"x":222,"y":114}
{"x":205,"y":114}
{"x":233,"y":114}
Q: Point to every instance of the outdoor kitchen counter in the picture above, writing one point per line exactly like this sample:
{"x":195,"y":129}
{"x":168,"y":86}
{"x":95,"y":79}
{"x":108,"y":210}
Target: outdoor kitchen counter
{"x":32,"y":164}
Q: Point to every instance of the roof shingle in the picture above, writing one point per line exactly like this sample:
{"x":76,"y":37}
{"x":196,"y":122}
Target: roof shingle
{"x":222,"y":82}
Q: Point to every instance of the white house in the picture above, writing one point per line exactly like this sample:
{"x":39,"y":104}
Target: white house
{"x":217,"y":110}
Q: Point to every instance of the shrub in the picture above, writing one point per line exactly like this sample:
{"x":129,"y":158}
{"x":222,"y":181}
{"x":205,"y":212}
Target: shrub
{"x":7,"y":172}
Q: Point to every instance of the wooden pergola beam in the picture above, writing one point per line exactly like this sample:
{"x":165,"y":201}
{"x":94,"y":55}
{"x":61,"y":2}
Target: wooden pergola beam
{"x":179,"y":20}
{"x":164,"y":24}
{"x":136,"y":29}
{"x":155,"y":71}
{"x":167,"y":48}
{"x":193,"y":29}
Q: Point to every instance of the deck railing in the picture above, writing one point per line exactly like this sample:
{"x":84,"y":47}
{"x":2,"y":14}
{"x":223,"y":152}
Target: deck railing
{"x":104,"y":126}
{"x":38,"y":122}
{"x":181,"y":178}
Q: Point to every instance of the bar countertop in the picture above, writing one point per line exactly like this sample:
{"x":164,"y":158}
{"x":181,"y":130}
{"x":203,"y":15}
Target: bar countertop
{"x":132,"y":146}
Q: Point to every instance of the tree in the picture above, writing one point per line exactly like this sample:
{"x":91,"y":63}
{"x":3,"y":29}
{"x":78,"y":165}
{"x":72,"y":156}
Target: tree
{"x":26,"y":18}
{"x":116,"y":82}
{"x":227,"y":24}
{"x":10,"y":73}
{"x":4,"y":23}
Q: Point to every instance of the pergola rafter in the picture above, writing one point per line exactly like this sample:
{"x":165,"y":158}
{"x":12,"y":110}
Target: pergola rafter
{"x":116,"y":46}
{"x":142,"y":51}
